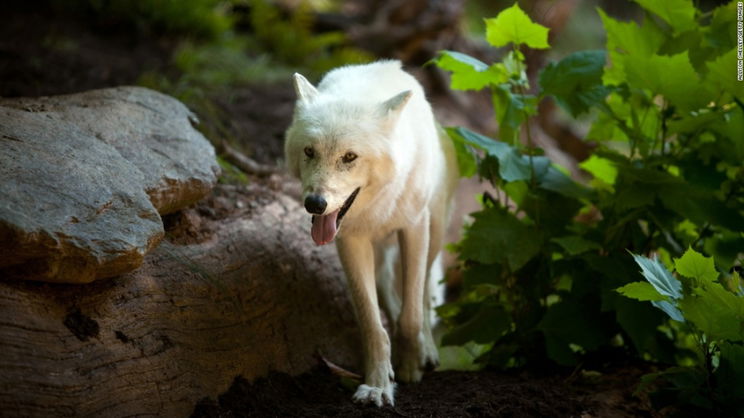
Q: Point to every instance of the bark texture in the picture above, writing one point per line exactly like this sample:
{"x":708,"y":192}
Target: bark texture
{"x":237,"y":288}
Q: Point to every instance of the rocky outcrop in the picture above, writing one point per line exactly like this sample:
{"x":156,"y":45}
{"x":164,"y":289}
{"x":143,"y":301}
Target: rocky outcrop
{"x":84,"y":179}
{"x":237,"y":288}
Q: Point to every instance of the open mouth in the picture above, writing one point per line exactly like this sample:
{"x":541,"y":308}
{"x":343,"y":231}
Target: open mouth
{"x":325,"y":227}
{"x":346,"y":206}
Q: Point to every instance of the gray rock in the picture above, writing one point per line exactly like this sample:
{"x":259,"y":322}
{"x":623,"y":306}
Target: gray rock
{"x":84,"y":177}
{"x":150,"y":130}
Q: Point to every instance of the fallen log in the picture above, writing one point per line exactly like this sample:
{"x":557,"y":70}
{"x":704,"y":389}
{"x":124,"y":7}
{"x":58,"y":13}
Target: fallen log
{"x":236,"y":288}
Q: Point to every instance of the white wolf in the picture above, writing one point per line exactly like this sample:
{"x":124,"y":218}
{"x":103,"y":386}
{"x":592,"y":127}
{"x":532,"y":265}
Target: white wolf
{"x":378,"y":175}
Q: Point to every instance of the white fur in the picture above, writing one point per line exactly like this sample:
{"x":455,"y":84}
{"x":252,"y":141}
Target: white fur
{"x":394,"y":230}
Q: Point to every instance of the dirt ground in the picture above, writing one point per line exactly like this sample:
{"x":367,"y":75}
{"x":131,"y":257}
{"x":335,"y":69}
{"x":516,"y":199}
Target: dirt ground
{"x":440,"y":394}
{"x":43,"y":53}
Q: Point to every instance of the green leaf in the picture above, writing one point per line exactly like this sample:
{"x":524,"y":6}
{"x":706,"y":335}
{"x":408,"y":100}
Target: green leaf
{"x":513,"y":25}
{"x":719,"y":34}
{"x":726,"y":249}
{"x":628,"y":198}
{"x":512,"y":165}
{"x":605,"y":127}
{"x":659,"y":277}
{"x":638,"y":187}
{"x":715,"y":311}
{"x":512,"y":110}
{"x":700,"y":206}
{"x":679,"y":14}
{"x":551,"y":178}
{"x":690,"y":40}
{"x":642,"y":291}
{"x":721,"y":76}
{"x":730,"y":373}
{"x":696,"y":266}
{"x":640,"y":321}
{"x":497,"y":236}
{"x":486,"y":326}
{"x":669,"y":309}
{"x":672,"y":76}
{"x":695,"y":122}
{"x":601,"y":168}
{"x":575,"y":245}
{"x":469,"y":73}
{"x":553,"y":211}
{"x":560,"y":351}
{"x":576,"y":81}
{"x":481,"y":274}
{"x":733,"y":128}
{"x":627,"y":38}
{"x":572,"y":322}
{"x":466,"y":159}
{"x":694,"y":42}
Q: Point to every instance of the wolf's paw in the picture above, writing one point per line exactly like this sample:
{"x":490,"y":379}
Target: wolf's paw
{"x":377,"y":395}
{"x":415,"y":357}
{"x":409,"y":370}
{"x":410,"y":360}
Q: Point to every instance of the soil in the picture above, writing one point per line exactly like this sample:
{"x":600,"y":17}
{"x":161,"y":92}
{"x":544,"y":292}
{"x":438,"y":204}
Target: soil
{"x":44,"y":52}
{"x":440,"y":394}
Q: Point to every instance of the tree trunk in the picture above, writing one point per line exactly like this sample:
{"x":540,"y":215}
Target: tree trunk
{"x":237,"y":288}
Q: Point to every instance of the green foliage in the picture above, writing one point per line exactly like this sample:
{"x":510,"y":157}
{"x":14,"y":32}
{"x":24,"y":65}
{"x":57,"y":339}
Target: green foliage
{"x":713,"y":314}
{"x":199,"y":18}
{"x":514,"y":26}
{"x":292,"y":42}
{"x":545,"y":263}
{"x":602,"y":169}
{"x":469,"y":73}
{"x":696,"y":266}
{"x":576,"y":81}
{"x":277,"y":47}
{"x":642,"y":291}
{"x":495,"y":237}
{"x":679,"y":14}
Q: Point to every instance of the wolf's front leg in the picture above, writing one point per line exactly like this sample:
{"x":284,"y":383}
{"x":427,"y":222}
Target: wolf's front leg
{"x":357,"y":257}
{"x":414,"y":248}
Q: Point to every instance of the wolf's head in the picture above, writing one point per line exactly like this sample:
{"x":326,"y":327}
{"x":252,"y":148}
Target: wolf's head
{"x":339,"y":147}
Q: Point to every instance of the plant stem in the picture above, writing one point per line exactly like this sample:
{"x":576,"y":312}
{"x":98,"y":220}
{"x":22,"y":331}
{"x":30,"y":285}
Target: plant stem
{"x":523,"y":93}
{"x":663,"y":125}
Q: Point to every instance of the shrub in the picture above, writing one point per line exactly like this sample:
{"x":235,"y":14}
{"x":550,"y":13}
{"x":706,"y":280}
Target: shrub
{"x":542,"y":259}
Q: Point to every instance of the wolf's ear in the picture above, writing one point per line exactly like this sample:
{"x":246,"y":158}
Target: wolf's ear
{"x":395,"y":104}
{"x":306,"y":92}
{"x":390,"y":109}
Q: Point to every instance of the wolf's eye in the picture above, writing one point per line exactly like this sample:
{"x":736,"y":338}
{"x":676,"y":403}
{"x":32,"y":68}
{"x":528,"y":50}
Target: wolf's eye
{"x":349,"y":157}
{"x":309,"y":152}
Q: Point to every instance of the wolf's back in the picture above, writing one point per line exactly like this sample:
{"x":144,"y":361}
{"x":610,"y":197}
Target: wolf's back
{"x":375,"y":82}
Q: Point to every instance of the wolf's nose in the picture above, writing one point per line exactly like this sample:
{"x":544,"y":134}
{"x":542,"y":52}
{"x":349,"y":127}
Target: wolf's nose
{"x":315,"y":204}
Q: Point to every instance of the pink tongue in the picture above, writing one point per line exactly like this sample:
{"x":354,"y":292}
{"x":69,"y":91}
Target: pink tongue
{"x":324,"y":228}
